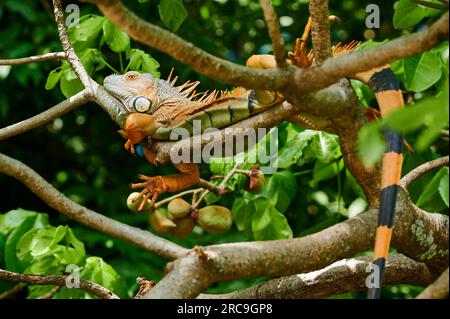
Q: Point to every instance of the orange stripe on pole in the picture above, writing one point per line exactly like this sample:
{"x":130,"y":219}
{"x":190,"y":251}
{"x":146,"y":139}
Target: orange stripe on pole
{"x":382,"y":242}
{"x":389,"y":100}
{"x":392,"y":169}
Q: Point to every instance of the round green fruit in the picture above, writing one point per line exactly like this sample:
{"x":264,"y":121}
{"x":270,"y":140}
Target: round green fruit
{"x":184,"y":226}
{"x":160,"y":221}
{"x":179,"y":208}
{"x":215,"y":219}
{"x":134,"y":206}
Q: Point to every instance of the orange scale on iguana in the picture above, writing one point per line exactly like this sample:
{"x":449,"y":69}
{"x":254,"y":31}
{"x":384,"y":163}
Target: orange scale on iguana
{"x":157,"y":107}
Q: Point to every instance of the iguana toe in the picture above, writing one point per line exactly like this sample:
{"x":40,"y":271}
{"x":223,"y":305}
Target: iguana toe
{"x":153,"y":187}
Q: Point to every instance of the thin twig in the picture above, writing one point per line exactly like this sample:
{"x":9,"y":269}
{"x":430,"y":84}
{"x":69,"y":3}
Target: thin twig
{"x":50,"y":293}
{"x":42,"y":118}
{"x":274,"y":32}
{"x":55,"y":199}
{"x":422,"y":169}
{"x":34,"y":58}
{"x":59,"y":280}
{"x":432,"y":4}
{"x":72,"y":58}
{"x":166,"y":200}
{"x":14,"y":290}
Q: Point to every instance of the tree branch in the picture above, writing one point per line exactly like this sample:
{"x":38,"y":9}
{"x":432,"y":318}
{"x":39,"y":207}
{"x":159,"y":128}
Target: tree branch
{"x":340,"y":277}
{"x":274,"y":32}
{"x":42,"y":118}
{"x":438,"y":289}
{"x":34,"y":58}
{"x":422,"y":169}
{"x":85,"y":216}
{"x":287,"y":257}
{"x":71,"y":56}
{"x":320,"y":30}
{"x":201,"y":61}
{"x":294,"y":81}
{"x":365,"y":59}
{"x":58,"y":280}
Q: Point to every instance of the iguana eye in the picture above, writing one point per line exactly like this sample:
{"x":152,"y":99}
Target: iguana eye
{"x":131,"y":75}
{"x":142,"y":104}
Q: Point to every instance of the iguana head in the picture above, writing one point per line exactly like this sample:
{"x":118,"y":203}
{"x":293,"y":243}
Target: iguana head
{"x":136,"y":91}
{"x":142,"y":93}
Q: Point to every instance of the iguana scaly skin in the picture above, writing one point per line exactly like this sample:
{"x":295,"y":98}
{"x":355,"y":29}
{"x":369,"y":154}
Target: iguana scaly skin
{"x":158,"y":106}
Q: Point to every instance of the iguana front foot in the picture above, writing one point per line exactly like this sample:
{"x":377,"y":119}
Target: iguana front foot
{"x":157,"y":185}
{"x":153,"y":187}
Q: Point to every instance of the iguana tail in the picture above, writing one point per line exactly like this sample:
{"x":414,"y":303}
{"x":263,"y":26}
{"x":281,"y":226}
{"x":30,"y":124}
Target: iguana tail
{"x":389,"y":97}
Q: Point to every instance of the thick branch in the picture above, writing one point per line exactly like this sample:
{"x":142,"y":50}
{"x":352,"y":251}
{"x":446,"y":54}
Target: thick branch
{"x":362,"y":60}
{"x":42,"y":118}
{"x":201,"y":61}
{"x":72,"y":58}
{"x":88,"y":286}
{"x":287,"y":257}
{"x":35,"y":58}
{"x":438,"y":289}
{"x":320,"y":30}
{"x":422,"y":169}
{"x":298,"y":80}
{"x":274,"y":32}
{"x":340,"y":277}
{"x":85,"y":216}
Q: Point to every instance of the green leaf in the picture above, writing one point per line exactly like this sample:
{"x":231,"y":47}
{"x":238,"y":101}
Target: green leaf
{"x":269,"y":223}
{"x":50,"y":246}
{"x":172,"y":13}
{"x":70,"y":84}
{"x":88,"y":28}
{"x":421,"y":71}
{"x":12,"y":262}
{"x":407,"y":14}
{"x":323,"y":171}
{"x":431,"y":112}
{"x":431,"y":190}
{"x":53,"y":78}
{"x":262,"y":216}
{"x":142,"y":62}
{"x":13,"y":219}
{"x":116,"y":39}
{"x":243,"y":211}
{"x":323,"y":147}
{"x":443,"y":188}
{"x":281,"y":189}
{"x":370,"y":143}
{"x":293,"y":150}
{"x":98,"y":271}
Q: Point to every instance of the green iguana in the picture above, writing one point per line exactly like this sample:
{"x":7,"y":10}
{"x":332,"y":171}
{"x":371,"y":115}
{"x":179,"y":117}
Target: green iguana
{"x":158,"y":106}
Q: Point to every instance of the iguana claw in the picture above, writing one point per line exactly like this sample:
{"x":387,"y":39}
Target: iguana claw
{"x":129,"y":145}
{"x":153,"y":187}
